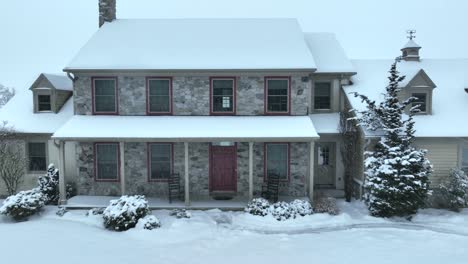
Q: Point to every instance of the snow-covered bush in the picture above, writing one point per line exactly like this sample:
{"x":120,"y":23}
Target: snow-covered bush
{"x":397,"y":174}
{"x":61,"y":211}
{"x":302,"y":207}
{"x":124,"y":213}
{"x":23,"y":204}
{"x":258,"y":206}
{"x":70,"y":189}
{"x":49,"y":185}
{"x":95,"y":211}
{"x":323,"y":204}
{"x":455,"y":190}
{"x":180,"y":213}
{"x":149,"y":222}
{"x":282,"y":211}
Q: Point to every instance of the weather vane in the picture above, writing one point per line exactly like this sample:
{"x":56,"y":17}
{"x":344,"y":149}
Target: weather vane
{"x":411,"y":33}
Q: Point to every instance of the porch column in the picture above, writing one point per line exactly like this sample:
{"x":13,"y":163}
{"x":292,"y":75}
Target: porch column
{"x":187,"y":185}
{"x":250,"y":170}
{"x":122,"y":167}
{"x":62,"y":189}
{"x":311,"y":170}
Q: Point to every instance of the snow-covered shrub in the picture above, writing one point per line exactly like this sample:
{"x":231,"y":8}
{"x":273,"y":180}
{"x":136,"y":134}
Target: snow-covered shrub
{"x":323,"y":204}
{"x":49,"y":185}
{"x":124,"y":213}
{"x":455,"y":190}
{"x":61,"y":211}
{"x":180,"y":213}
{"x":301,"y":207}
{"x":397,"y":173}
{"x":23,"y":204}
{"x":149,"y":222}
{"x":95,"y":211}
{"x":258,"y":206}
{"x":282,"y":211}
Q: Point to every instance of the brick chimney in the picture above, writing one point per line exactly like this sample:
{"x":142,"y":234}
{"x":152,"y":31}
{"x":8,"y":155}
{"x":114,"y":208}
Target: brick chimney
{"x":107,"y":11}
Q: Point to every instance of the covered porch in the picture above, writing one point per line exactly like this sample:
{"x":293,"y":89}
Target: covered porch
{"x":195,"y":141}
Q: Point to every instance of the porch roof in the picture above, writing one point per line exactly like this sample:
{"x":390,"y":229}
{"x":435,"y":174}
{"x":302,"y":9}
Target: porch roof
{"x":187,"y":128}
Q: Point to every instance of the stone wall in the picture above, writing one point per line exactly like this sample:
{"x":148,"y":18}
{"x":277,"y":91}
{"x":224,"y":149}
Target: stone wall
{"x":136,"y":172}
{"x":191,"y":94}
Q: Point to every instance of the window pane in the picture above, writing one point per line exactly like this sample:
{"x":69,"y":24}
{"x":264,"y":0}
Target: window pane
{"x":159,"y":87}
{"x":322,"y":96}
{"x":159,"y":95}
{"x":159,"y":103}
{"x":277,"y":160}
{"x":37,"y":156}
{"x":161,"y":161}
{"x":277,"y":95}
{"x":107,"y":161}
{"x":44,"y":103}
{"x":223,"y":95}
{"x":421,"y":101}
{"x":104,"y":95}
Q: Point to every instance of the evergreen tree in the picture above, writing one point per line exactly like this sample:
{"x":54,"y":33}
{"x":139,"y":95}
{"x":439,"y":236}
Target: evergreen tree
{"x":396,"y":173}
{"x":48,"y":185}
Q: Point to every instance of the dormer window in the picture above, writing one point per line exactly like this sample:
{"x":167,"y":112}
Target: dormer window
{"x":44,"y":103}
{"x":421,"y":101}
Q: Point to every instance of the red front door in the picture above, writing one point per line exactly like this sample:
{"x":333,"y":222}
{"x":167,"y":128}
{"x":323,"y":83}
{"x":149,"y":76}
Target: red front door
{"x":223,"y":169}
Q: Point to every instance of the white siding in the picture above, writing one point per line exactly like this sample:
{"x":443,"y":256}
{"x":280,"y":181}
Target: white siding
{"x":443,"y":154}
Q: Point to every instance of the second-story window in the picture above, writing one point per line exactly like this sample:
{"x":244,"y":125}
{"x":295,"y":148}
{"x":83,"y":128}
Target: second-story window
{"x":277,"y":95}
{"x":159,"y":95}
{"x":322,"y":96}
{"x":105,"y":95}
{"x":421,"y":100}
{"x":223,"y":95}
{"x":44,"y":103}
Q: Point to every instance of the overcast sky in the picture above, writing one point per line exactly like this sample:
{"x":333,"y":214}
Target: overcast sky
{"x":43,"y":35}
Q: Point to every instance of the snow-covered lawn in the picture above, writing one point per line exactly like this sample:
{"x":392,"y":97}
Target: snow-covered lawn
{"x":434,"y":236}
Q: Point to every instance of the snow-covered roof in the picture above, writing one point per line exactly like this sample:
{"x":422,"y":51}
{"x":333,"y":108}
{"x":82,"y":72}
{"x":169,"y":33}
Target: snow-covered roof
{"x":19,"y":114}
{"x":327,"y":123}
{"x":189,"y":128}
{"x":449,"y":116}
{"x":196,"y":44}
{"x":411,"y":44}
{"x":328,"y":54}
{"x":59,"y":81}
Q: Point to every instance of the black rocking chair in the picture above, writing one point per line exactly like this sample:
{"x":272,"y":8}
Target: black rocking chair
{"x":174,"y":187}
{"x":271,"y":188}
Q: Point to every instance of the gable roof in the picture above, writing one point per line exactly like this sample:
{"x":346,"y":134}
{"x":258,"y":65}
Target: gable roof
{"x":449,"y":100}
{"x":328,"y":54}
{"x":54,"y":81}
{"x":196,"y":44}
{"x":411,"y":78}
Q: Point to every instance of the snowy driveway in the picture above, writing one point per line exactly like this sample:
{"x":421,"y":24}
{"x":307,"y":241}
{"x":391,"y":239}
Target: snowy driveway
{"x":219,"y":237}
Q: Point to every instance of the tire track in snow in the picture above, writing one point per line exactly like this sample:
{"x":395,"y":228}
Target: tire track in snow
{"x":318,"y":230}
